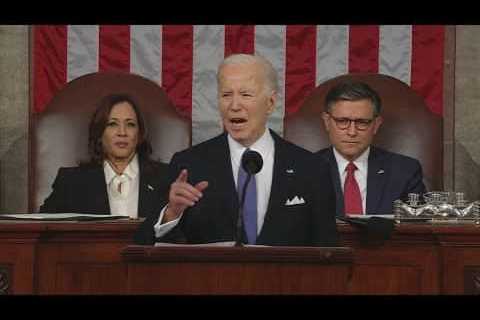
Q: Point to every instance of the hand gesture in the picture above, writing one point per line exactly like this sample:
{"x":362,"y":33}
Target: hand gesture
{"x":182,"y":195}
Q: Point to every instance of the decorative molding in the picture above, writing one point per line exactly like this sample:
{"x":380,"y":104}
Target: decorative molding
{"x":472,"y":280}
{"x":449,"y":109}
{"x":5,"y":279}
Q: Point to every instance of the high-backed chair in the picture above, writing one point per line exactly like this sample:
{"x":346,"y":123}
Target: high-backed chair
{"x":409,"y":127}
{"x":59,"y":135}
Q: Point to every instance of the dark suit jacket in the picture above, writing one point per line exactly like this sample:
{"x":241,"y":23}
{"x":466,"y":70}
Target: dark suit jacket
{"x":390,"y":177}
{"x":83,"y":189}
{"x":214,"y":217}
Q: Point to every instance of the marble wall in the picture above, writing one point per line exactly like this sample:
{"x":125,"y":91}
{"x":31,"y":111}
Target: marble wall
{"x":467,"y":111}
{"x":14,"y":106}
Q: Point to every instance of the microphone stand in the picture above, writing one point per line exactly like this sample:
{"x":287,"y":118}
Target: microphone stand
{"x":239,"y":233}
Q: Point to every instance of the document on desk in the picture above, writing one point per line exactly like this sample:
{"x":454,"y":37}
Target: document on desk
{"x":210,"y":244}
{"x":368,"y":216}
{"x":60,"y":217}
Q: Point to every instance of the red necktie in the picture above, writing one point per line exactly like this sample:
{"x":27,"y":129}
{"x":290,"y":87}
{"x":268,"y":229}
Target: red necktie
{"x":351,"y":192}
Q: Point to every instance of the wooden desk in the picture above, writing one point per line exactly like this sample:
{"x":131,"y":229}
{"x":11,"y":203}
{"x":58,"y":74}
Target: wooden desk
{"x":49,"y":258}
{"x":238,"y":270}
{"x":418,"y":259}
{"x":64,"y":257}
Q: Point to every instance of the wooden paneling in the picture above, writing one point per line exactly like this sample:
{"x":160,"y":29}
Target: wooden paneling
{"x":83,"y":268}
{"x":17,"y":268}
{"x":417,"y":259}
{"x":237,"y":270}
{"x":86,"y":258}
{"x":395,"y":270}
{"x":66,"y":257}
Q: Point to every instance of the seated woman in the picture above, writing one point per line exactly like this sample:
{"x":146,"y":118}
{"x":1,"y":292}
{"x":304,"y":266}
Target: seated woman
{"x":119,"y":178}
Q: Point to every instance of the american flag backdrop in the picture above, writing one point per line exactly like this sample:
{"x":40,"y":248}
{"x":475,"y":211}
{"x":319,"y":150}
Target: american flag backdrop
{"x":183,"y":60}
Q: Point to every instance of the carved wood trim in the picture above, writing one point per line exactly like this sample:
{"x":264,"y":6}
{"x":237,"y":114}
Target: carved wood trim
{"x":5,"y":279}
{"x":472,"y":280}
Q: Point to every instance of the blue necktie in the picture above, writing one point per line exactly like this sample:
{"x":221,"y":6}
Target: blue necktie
{"x":250,"y":205}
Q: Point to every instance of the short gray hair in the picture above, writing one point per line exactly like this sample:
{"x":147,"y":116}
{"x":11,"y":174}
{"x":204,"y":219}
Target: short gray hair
{"x":271,"y":78}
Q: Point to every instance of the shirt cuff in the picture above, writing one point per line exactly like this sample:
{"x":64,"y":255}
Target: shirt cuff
{"x":163,"y":229}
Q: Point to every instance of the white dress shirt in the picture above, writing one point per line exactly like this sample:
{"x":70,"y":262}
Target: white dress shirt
{"x":266,"y":147}
{"x":360,"y":174}
{"x":123,"y":189}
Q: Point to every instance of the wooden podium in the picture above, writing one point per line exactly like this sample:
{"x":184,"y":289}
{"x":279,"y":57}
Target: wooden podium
{"x":237,"y":270}
{"x":98,"y":258}
{"x":419,"y":258}
{"x":64,"y":257}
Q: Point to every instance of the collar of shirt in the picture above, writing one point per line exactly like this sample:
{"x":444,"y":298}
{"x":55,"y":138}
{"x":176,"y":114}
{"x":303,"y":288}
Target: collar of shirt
{"x":131,"y":171}
{"x":361,"y":162}
{"x":264,"y":145}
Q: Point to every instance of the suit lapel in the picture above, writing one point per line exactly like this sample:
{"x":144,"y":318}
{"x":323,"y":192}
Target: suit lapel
{"x":377,"y":176}
{"x":280,"y":186}
{"x":330,"y":157}
{"x":221,"y":163}
{"x":145,"y":193}
{"x":98,"y":189}
{"x":279,"y":168}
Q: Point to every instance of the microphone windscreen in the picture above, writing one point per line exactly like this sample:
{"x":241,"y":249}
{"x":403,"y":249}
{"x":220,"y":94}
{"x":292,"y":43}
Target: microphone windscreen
{"x":252,"y":162}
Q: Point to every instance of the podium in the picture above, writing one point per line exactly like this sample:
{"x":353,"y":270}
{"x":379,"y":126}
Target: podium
{"x":99,"y":258}
{"x":186,"y":269}
{"x":419,"y":258}
{"x":64,"y":257}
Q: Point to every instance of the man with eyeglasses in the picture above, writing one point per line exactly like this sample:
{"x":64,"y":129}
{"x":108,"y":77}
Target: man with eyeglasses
{"x":367,"y":179}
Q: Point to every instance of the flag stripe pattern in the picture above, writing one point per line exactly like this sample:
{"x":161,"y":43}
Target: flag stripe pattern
{"x":183,"y":60}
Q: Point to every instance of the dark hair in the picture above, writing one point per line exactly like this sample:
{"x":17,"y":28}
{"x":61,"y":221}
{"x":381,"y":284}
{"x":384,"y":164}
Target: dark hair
{"x":353,"y":91}
{"x":99,"y":121}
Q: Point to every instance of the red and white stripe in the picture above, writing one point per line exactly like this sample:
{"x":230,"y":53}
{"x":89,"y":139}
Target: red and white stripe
{"x":183,"y":60}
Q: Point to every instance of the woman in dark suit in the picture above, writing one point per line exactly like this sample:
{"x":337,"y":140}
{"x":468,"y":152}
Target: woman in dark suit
{"x":119,"y":178}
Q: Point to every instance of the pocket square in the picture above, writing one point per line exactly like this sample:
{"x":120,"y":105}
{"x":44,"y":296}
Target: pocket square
{"x":296,"y":200}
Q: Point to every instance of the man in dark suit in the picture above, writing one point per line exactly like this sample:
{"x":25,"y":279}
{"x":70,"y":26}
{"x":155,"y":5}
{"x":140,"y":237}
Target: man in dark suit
{"x":295,"y":197}
{"x":367,"y":179}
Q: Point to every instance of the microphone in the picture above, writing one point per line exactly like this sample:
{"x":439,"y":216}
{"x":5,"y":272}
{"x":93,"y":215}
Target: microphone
{"x":252,"y":163}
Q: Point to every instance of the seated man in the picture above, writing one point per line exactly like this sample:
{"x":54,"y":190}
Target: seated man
{"x":367,"y":179}
{"x":294,"y":200}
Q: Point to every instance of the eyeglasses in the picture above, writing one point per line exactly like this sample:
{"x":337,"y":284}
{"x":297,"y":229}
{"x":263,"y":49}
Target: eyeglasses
{"x":344,"y":123}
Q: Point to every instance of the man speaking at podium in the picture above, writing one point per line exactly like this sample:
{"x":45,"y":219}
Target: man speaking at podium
{"x":289,"y":202}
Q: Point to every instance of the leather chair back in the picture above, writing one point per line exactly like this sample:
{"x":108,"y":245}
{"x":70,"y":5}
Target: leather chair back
{"x":409,"y":128}
{"x":60,"y":133}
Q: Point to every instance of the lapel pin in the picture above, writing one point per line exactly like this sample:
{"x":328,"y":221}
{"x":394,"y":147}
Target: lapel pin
{"x":289,"y":171}
{"x":381,"y":171}
{"x":150,"y":187}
